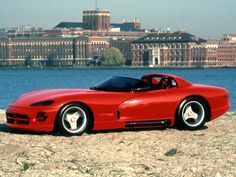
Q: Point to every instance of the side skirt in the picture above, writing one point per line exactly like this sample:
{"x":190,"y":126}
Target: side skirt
{"x":161,"y":123}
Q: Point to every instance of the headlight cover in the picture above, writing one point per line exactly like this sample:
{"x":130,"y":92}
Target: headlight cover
{"x":43,"y":103}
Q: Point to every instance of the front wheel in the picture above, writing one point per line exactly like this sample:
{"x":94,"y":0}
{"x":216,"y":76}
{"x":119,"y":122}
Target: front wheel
{"x":74,"y":119}
{"x":192,"y":114}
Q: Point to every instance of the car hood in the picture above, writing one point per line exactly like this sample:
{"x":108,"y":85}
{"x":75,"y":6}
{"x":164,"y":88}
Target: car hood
{"x":44,"y":95}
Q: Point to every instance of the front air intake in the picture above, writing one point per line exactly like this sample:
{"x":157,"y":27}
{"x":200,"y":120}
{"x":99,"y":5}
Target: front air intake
{"x":17,"y":118}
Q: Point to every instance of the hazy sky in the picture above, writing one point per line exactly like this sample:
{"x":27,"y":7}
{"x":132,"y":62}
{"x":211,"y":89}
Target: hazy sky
{"x":205,"y":18}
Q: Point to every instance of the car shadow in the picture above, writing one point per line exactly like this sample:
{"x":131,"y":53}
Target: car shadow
{"x":202,"y":128}
{"x":143,"y":129}
{"x":127,"y":130}
{"x":6,"y":129}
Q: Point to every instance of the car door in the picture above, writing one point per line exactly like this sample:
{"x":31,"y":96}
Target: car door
{"x":149,"y":105}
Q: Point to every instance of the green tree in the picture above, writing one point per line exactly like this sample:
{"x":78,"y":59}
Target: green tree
{"x":112,"y":57}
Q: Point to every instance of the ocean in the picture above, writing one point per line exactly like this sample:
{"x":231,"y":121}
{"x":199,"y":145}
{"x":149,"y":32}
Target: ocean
{"x":15,"y":82}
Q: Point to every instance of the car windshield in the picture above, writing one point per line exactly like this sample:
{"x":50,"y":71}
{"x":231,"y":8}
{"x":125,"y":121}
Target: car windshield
{"x":117,"y":83}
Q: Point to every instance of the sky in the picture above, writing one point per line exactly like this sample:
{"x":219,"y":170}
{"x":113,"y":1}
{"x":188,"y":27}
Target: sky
{"x":209,"y":19}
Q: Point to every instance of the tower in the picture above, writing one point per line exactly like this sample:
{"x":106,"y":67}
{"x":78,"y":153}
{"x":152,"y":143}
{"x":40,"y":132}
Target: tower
{"x":97,"y":20}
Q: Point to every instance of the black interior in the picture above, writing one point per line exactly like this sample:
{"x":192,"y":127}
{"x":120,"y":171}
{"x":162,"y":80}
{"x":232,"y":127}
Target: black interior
{"x":125,"y":84}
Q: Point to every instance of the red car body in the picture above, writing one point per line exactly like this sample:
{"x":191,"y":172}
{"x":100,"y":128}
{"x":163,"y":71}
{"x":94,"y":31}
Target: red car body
{"x":112,"y":109}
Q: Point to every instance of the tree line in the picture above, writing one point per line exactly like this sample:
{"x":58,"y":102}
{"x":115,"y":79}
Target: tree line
{"x":110,"y":57}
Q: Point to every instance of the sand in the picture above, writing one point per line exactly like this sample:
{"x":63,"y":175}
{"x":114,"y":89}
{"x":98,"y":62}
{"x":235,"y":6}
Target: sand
{"x":170,"y":152}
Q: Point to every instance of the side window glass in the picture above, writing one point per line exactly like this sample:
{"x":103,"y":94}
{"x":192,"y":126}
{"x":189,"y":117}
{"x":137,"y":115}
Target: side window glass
{"x":173,"y":83}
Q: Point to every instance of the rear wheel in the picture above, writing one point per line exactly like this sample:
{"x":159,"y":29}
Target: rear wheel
{"x":74,"y":119}
{"x":192,"y":114}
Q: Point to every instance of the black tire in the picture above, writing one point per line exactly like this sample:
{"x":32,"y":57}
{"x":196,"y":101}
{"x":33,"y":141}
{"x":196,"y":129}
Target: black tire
{"x":192,"y":114}
{"x":73,"y":119}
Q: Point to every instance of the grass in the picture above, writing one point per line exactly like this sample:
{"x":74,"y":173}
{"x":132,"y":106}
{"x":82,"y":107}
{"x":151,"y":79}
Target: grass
{"x":171,"y":152}
{"x":26,"y":166}
{"x":86,"y":170}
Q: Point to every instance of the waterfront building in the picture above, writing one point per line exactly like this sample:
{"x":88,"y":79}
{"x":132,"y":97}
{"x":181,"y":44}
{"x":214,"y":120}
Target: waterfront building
{"x":219,"y":53}
{"x":95,"y":45}
{"x":82,"y":43}
{"x":211,"y":54}
{"x":205,"y":55}
{"x":124,"y":45}
{"x":166,"y":49}
{"x":15,"y":51}
{"x":45,"y":51}
{"x":182,"y":49}
{"x":226,"y":54}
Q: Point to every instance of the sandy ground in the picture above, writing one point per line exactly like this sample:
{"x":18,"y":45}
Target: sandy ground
{"x":207,"y":152}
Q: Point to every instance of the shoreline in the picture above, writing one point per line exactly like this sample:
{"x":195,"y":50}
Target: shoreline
{"x":117,"y":67}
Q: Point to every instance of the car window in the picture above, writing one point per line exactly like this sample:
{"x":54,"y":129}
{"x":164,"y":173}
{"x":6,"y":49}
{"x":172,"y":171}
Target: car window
{"x":117,"y":83}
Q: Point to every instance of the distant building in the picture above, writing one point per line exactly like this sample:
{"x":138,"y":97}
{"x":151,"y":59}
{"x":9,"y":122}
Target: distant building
{"x":95,"y":45}
{"x":57,"y":32}
{"x":100,"y":20}
{"x":211,"y":54}
{"x":230,"y":38}
{"x":226,"y":53}
{"x":118,"y":35}
{"x":14,"y":51}
{"x":166,"y":49}
{"x":61,"y":51}
{"x":3,"y":33}
{"x":216,"y":53}
{"x":82,"y":43}
{"x":25,"y":32}
{"x":124,"y":45}
{"x":97,"y":25}
{"x":128,"y":26}
{"x":96,"y":20}
{"x":182,"y":49}
{"x":69,"y":25}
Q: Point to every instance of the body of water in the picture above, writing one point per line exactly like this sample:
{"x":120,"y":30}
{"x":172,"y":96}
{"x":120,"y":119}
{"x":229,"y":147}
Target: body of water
{"x":15,"y":82}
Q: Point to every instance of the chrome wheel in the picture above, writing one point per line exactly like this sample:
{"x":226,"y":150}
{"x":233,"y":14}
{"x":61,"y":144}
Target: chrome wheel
{"x":73,"y":119}
{"x":193,"y":113}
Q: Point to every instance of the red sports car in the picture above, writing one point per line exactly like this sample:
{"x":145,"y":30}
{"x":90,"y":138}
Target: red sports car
{"x":155,"y":100}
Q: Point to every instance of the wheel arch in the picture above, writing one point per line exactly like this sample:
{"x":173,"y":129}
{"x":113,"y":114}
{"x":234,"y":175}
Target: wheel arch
{"x":181,"y":102}
{"x":80,"y":103}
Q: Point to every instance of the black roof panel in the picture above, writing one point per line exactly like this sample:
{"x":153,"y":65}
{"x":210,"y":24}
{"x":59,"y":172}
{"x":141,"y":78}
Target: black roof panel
{"x":180,"y":37}
{"x":69,"y":25}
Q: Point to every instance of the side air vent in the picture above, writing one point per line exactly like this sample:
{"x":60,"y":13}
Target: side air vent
{"x":118,"y":114}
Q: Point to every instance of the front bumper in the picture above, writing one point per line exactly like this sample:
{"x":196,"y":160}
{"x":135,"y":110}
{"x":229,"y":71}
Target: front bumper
{"x":25,"y":119}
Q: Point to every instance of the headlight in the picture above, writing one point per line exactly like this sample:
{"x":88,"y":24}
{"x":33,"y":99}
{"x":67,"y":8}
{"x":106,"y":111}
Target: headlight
{"x":43,"y":103}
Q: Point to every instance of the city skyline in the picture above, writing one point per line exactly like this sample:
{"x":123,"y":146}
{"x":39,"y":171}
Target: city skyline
{"x":208,"y":19}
